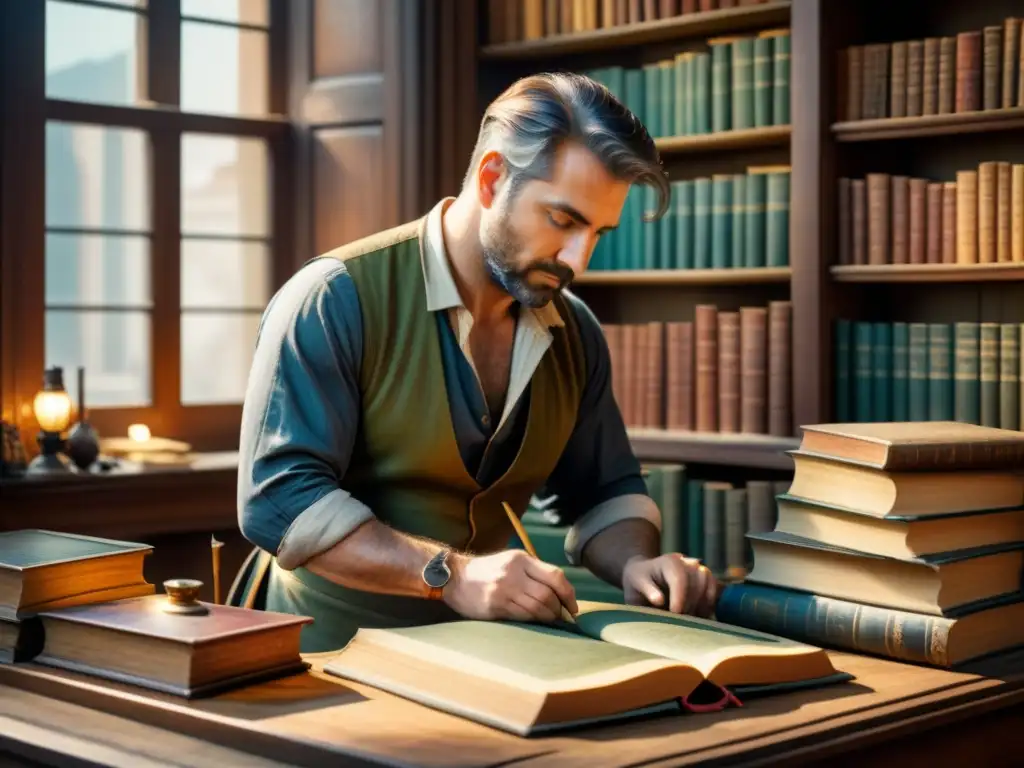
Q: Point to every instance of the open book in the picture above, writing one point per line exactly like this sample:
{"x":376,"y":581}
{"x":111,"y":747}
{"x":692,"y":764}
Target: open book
{"x":615,"y":662}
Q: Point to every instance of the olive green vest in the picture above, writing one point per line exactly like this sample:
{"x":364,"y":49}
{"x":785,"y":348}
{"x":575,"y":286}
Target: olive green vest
{"x":406,"y":465}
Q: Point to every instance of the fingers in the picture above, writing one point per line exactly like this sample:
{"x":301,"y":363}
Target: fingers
{"x":554,"y":579}
{"x":536,"y":610}
{"x":676,"y":576}
{"x":540,"y":599}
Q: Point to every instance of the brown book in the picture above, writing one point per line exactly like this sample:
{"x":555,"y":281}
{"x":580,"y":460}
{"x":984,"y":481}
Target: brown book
{"x":513,"y":21}
{"x":968,"y":71}
{"x":900,"y":220}
{"x":654,"y":376}
{"x":533,"y":19}
{"x":566,"y":20}
{"x":947,"y":75}
{"x":754,"y":370}
{"x":636,"y":11}
{"x":967,"y":217}
{"x":987,"y":212}
{"x":898,"y":80}
{"x":845,"y":222}
{"x":679,"y":375}
{"x":621,"y":12}
{"x":949,"y":222}
{"x":614,"y":660}
{"x":879,"y":187}
{"x":780,"y":368}
{"x":917,"y":446}
{"x":707,"y":5}
{"x":135,"y":641}
{"x":877,"y":85}
{"x":705,"y":329}
{"x":859,"y":220}
{"x":552,"y":22}
{"x":1003,"y":212}
{"x":668,"y":8}
{"x":918,"y":228}
{"x":20,"y":640}
{"x":854,"y":75}
{"x":688,"y":6}
{"x":992,"y":62}
{"x":915,"y":77}
{"x":1011,"y":70}
{"x":41,"y":570}
{"x":930,"y":77}
{"x":1017,"y":212}
{"x":728,"y":372}
{"x":934,"y":216}
{"x":650,"y":10}
{"x":630,"y":340}
{"x":640,"y":370}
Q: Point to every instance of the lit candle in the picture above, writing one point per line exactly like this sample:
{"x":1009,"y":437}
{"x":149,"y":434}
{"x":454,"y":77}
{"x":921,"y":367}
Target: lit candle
{"x":138,"y":433}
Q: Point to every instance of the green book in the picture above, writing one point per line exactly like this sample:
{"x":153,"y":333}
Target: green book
{"x":721,"y":85}
{"x":881,"y":365}
{"x":695,"y":518}
{"x":780,"y":75}
{"x":1009,"y":376}
{"x":614,"y":662}
{"x":702,"y":223}
{"x":681,"y":101}
{"x":900,"y":370}
{"x":634,"y":95}
{"x":667,"y":233}
{"x":763,"y":81}
{"x":652,"y":230}
{"x":917,"y":387}
{"x":721,"y":221}
{"x":755,"y":213}
{"x":652,"y":99}
{"x":701,"y":79}
{"x":682,"y":194}
{"x":863,"y":379}
{"x":940,"y":372}
{"x":742,"y":66}
{"x":843,"y":360}
{"x":667,"y":97}
{"x":988,"y":373}
{"x":966,"y":400}
{"x":714,"y":526}
{"x":776,"y":216}
{"x":739,"y":221}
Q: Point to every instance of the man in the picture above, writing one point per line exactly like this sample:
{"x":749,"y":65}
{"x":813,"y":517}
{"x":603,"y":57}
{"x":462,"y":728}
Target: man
{"x":406,"y":385}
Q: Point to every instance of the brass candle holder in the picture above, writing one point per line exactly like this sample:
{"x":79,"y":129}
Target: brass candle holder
{"x":183,"y":597}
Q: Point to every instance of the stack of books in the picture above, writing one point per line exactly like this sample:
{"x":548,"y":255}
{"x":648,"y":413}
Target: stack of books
{"x":903,"y":540}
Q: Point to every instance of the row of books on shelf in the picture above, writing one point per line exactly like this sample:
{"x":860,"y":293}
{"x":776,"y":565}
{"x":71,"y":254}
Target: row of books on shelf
{"x":512,"y":20}
{"x":967,"y":372}
{"x":727,"y":371}
{"x":971,"y":71}
{"x":739,"y":82}
{"x":719,"y":222}
{"x":901,"y":540}
{"x":896,"y":219}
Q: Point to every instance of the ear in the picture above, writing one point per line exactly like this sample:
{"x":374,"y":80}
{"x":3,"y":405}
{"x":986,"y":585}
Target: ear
{"x":490,"y":174}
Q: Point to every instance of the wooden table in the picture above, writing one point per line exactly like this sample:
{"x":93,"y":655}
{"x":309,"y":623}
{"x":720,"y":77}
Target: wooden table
{"x":891,"y":713}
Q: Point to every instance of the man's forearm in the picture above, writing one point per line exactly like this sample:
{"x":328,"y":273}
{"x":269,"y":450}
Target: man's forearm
{"x":377,"y":558}
{"x":607,"y":553}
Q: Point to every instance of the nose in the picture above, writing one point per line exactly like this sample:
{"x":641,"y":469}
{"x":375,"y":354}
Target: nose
{"x":576,"y":252}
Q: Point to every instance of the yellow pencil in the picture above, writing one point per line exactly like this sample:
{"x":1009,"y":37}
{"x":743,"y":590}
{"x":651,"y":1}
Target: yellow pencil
{"x":525,"y":538}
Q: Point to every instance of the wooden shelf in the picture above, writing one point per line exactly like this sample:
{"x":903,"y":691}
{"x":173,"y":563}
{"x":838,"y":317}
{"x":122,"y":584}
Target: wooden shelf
{"x":747,"y":138}
{"x":631,"y":35}
{"x":984,"y":121}
{"x":730,"y":449}
{"x":752,"y":276}
{"x":928,"y":273}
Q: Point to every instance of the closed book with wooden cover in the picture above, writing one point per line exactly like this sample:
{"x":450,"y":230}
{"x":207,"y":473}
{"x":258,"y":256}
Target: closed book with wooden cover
{"x":43,"y":570}
{"x":615,"y":662}
{"x":918,"y":446}
{"x":136,"y":642}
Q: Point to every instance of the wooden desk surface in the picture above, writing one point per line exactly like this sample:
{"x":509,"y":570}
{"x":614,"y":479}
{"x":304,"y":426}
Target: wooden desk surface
{"x":314,"y":719}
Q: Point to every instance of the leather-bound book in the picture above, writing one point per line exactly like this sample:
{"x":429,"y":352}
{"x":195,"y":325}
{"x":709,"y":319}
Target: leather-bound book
{"x":43,"y":570}
{"x":136,"y":641}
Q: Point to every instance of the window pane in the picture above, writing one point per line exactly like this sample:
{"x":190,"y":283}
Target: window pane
{"x":224,"y":186}
{"x":95,"y":54}
{"x":114,"y":348}
{"x":97,"y":270}
{"x":236,"y":11}
{"x":223,"y":69}
{"x":216,"y":352}
{"x":222,"y":274}
{"x":96,"y":177}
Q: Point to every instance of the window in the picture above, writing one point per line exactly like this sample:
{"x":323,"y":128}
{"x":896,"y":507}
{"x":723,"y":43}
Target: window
{"x":161,"y":142}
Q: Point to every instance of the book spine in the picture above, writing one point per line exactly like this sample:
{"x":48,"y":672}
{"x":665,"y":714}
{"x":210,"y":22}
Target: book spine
{"x":721,"y":221}
{"x":777,"y":219}
{"x":684,"y":257}
{"x":862,"y":372}
{"x":836,"y":623}
{"x":706,"y":385}
{"x":930,"y":77}
{"x":898,"y":80}
{"x":755,"y":214}
{"x":728,"y":372}
{"x":721,"y":78}
{"x":986,"y":212}
{"x":900,"y":372}
{"x":881,"y":353}
{"x":1004,"y":211}
{"x":764,"y":73}
{"x":780,"y":79}
{"x":1009,"y":376}
{"x":742,"y":66}
{"x":735,"y":533}
{"x":780,"y":368}
{"x":702,"y":238}
{"x":917,"y":236}
{"x":947,"y":75}
{"x":858,"y":221}
{"x":915,"y":77}
{"x":968,"y":67}
{"x":933,"y":248}
{"x":738,"y":220}
{"x":1011,"y":66}
{"x":918,"y":372}
{"x":695,"y":518}
{"x":940,"y":380}
{"x":714,"y":527}
{"x":900,"y":239}
{"x":992,"y":60}
{"x":753,"y":370}
{"x":966,"y":399}
{"x":989,"y":374}
{"x":879,"y":188}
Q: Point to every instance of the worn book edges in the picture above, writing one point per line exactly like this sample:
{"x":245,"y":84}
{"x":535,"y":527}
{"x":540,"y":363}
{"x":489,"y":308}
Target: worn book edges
{"x":44,"y":570}
{"x":615,"y":662}
{"x":939,"y":584}
{"x":939,"y":641}
{"x":885,"y":494}
{"x":917,"y":446}
{"x":134,"y":641}
{"x":898,"y":536}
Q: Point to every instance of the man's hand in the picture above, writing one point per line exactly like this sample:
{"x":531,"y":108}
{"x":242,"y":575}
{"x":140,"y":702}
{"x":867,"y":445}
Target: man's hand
{"x":690,"y":587}
{"x":508,"y":585}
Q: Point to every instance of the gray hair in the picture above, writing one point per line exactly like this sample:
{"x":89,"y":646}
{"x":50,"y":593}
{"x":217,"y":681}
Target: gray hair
{"x":535,"y":115}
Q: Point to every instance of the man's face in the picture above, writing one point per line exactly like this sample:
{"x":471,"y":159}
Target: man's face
{"x":536,"y":244}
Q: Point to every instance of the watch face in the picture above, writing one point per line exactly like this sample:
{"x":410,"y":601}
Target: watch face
{"x":436,"y":574}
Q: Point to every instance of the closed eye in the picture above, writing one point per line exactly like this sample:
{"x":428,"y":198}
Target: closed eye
{"x":560,"y":220}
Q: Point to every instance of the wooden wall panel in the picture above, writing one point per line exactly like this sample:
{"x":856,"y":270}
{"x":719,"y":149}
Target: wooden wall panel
{"x":347,"y":37}
{"x":347,"y":186}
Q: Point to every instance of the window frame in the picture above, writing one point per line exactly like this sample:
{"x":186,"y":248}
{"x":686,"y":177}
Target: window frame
{"x":25,"y":112}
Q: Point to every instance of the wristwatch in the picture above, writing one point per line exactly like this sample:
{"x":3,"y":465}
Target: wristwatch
{"x":436,"y":574}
